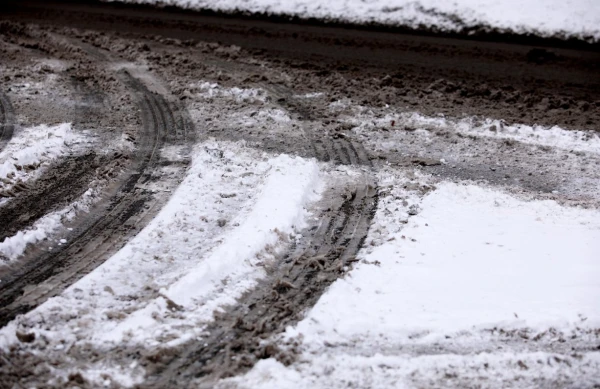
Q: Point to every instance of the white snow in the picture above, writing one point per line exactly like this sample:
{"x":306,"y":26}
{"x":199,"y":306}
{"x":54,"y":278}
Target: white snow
{"x":568,"y":18}
{"x":554,"y":136}
{"x":482,"y":259}
{"x":13,"y":247}
{"x":34,"y":146}
{"x":236,"y":208}
{"x":473,"y":262}
{"x":278,"y":212}
{"x":210,"y":90}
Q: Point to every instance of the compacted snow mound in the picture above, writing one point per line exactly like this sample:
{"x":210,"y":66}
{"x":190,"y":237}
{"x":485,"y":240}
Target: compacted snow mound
{"x":567,"y":18}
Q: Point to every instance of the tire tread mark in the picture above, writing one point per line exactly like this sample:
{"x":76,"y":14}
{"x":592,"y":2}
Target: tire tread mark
{"x":233,"y":341}
{"x":7,"y":124}
{"x":87,"y":247}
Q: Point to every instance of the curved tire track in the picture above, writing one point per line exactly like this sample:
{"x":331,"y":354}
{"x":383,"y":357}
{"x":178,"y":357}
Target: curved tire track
{"x":7,"y":121}
{"x":109,"y":225}
{"x":233,"y":344}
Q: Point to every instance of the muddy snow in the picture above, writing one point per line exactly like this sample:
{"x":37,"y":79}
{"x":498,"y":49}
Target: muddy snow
{"x":264,"y":218}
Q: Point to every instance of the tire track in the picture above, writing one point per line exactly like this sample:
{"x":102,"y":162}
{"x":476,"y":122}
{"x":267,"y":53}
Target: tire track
{"x":45,"y":272}
{"x":7,"y":121}
{"x":236,"y":339}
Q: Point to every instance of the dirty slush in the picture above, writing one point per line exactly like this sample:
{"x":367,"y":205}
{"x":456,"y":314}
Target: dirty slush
{"x":148,"y":103}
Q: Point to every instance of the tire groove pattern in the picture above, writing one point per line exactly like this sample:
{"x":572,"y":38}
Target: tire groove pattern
{"x":7,"y":124}
{"x":233,"y":344}
{"x":95,"y":238}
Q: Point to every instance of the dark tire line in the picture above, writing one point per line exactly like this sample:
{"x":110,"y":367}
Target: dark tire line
{"x":7,"y":121}
{"x":326,"y":251}
{"x":108,"y":226}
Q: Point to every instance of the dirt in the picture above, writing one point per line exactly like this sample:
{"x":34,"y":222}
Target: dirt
{"x":6,"y":120}
{"x":129,"y":76}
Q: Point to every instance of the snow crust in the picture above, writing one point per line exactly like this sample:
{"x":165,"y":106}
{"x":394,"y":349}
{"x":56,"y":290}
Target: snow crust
{"x":429,"y":301}
{"x":567,"y":18}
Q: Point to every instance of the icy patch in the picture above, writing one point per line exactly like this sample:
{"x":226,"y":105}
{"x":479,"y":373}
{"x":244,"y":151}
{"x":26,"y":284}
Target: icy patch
{"x":579,"y":18}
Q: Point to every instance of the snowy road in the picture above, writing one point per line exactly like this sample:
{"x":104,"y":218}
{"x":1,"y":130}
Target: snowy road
{"x":205,"y":201}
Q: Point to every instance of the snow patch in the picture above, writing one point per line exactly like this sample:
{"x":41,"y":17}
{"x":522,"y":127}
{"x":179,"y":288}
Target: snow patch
{"x":575,"y":18}
{"x":279,"y":211}
{"x":554,"y":136}
{"x":37,"y":146}
{"x":14,"y":246}
{"x":239,"y":95}
{"x":437,"y":296}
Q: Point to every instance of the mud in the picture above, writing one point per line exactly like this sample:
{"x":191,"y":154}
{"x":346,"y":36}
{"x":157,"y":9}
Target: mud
{"x":130,"y":76}
{"x":6,"y":120}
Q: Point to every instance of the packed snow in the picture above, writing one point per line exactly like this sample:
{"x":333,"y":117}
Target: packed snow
{"x":571,"y":18}
{"x":455,"y":297}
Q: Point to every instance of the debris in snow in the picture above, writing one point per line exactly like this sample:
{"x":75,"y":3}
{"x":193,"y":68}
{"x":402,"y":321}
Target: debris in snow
{"x":25,"y":337}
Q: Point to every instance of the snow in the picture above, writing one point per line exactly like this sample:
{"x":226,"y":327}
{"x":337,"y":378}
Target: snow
{"x":34,"y":146}
{"x":554,"y":137}
{"x":208,"y":90}
{"x":234,"y":211}
{"x":535,"y":260}
{"x":486,"y":370}
{"x":279,"y":211}
{"x":23,"y":159}
{"x":433,"y":299}
{"x":13,"y":247}
{"x":568,"y":18}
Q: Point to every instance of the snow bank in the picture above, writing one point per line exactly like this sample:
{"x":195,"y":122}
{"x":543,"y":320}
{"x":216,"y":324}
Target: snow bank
{"x":578,"y":18}
{"x":429,"y":303}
